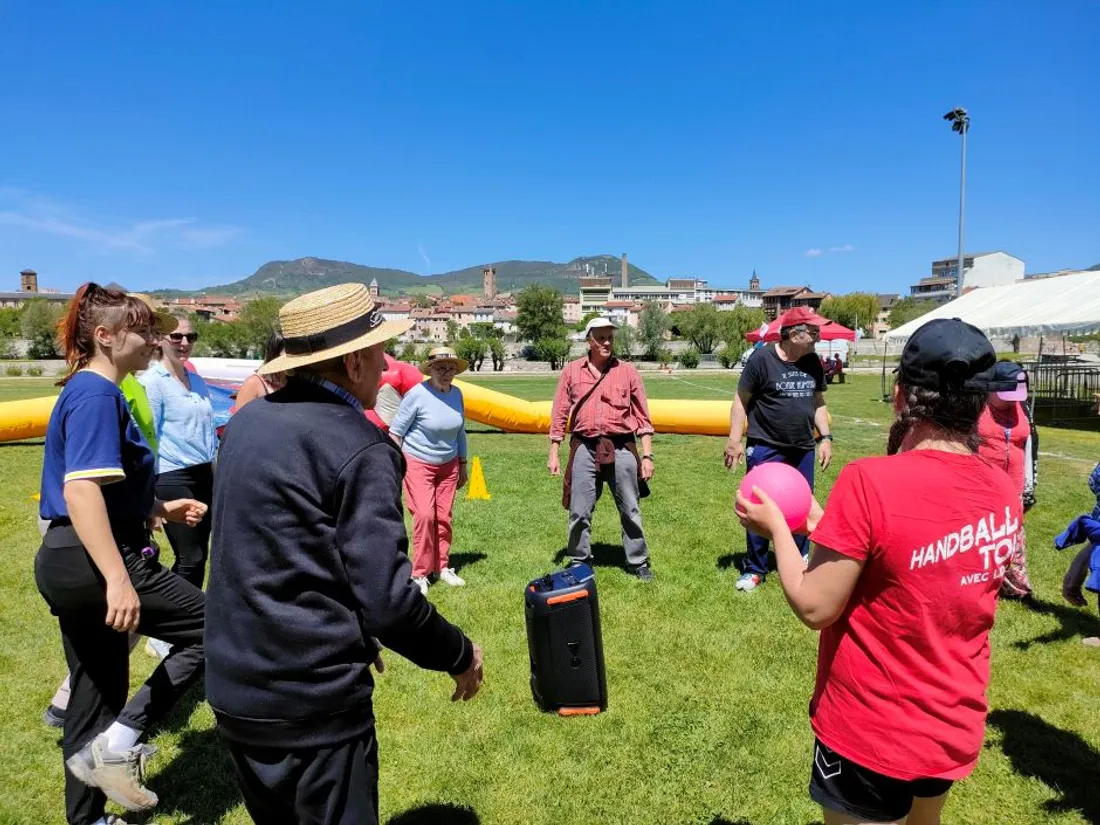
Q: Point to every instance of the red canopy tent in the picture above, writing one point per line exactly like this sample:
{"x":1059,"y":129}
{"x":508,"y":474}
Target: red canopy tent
{"x":830,"y":330}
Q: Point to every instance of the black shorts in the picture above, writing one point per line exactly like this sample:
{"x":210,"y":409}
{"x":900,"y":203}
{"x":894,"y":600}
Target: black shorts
{"x":841,"y":785}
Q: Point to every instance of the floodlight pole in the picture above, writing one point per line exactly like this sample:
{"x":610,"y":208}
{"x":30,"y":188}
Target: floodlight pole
{"x":960,"y":122}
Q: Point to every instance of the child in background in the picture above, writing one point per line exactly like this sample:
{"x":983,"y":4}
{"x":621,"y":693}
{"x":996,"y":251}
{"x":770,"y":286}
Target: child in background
{"x":1087,"y":529}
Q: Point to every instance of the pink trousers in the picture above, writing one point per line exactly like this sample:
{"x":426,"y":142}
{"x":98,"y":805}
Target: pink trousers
{"x":430,"y":496}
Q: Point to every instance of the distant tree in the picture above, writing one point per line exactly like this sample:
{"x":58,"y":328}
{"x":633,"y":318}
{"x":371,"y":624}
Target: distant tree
{"x":421,"y":301}
{"x":702,"y":326}
{"x":496,"y":350}
{"x":906,"y":309}
{"x":689,"y":358}
{"x":486,"y":330}
{"x":473,"y":350}
{"x":583,"y":322}
{"x":553,"y":350}
{"x":625,"y":341}
{"x":735,"y":324}
{"x":259,"y":318}
{"x":653,"y":323}
{"x":408,"y":353}
{"x":538,"y":315}
{"x":10,"y":322}
{"x":221,"y":339}
{"x":391,"y":348}
{"x":452,"y":330}
{"x":39,"y":326}
{"x":854,"y":310}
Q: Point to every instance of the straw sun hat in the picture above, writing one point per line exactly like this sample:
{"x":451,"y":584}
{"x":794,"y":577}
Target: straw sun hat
{"x":163,"y":321}
{"x":440,"y":354}
{"x":329,"y":323}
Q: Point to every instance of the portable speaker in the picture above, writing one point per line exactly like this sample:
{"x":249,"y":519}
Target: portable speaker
{"x":563,"y":638}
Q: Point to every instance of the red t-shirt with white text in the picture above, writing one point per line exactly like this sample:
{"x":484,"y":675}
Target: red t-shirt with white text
{"x":902,"y":675}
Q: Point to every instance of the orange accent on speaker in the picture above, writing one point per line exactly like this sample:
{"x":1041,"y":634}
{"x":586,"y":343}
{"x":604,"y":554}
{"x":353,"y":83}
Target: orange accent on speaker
{"x":578,"y":711}
{"x":568,"y":597}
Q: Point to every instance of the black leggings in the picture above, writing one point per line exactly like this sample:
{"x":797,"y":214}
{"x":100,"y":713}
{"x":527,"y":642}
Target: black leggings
{"x":190,"y":544}
{"x":98,"y":656}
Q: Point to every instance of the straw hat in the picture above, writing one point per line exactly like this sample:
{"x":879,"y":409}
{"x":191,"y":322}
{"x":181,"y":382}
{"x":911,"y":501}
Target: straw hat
{"x":329,"y":323}
{"x":163,"y":321}
{"x":441,"y":354}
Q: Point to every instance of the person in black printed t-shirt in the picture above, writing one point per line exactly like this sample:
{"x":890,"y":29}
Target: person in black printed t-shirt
{"x":781,"y":394}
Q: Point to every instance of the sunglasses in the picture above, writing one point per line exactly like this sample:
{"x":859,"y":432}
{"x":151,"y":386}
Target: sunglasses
{"x":813,"y":332}
{"x":177,"y":337}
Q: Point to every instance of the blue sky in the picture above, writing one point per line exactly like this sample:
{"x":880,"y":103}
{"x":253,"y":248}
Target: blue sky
{"x":185,"y":144}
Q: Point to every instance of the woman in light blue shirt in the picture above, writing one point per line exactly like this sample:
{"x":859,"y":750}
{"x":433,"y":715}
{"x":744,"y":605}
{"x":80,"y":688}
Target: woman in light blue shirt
{"x":431,"y":431}
{"x":187,"y":440}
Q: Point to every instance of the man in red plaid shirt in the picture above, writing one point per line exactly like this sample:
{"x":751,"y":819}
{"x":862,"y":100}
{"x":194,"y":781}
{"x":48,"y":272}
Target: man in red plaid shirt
{"x":601,"y":402}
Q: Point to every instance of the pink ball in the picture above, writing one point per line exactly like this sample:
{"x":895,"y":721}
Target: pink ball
{"x":786,"y":487}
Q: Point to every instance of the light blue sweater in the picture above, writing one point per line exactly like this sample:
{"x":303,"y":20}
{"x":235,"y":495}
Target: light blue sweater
{"x":431,"y":424}
{"x":184,"y":421}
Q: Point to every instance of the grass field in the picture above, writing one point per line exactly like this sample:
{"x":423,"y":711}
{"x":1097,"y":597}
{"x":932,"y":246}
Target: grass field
{"x":708,"y":687}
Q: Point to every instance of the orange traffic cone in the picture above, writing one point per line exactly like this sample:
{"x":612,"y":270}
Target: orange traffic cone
{"x":475,"y":488}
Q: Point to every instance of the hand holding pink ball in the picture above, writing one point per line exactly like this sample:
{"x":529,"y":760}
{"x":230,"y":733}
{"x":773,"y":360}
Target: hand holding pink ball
{"x":785,"y":486}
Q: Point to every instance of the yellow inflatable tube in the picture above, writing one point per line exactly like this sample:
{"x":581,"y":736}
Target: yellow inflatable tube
{"x":28,"y":419}
{"x":506,"y":412}
{"x":25,"y":419}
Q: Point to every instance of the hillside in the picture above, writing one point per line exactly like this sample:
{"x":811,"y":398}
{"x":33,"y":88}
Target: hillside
{"x":287,"y":278}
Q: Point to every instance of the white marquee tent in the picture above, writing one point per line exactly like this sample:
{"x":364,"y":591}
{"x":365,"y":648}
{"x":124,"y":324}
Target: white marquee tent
{"x":1059,"y":305}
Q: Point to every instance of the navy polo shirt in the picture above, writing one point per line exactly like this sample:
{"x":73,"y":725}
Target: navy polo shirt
{"x":92,"y":434}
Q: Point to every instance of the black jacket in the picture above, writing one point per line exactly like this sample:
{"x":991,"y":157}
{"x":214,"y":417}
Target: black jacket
{"x":308,"y":563}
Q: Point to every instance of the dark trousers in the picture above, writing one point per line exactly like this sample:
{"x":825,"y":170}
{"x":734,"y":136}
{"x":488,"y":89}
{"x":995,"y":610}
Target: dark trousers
{"x":190,"y":544}
{"x":335,"y":785}
{"x":1078,"y":572}
{"x":756,"y":558}
{"x":98,"y":657}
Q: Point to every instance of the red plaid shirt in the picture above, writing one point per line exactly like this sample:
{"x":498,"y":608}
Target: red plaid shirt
{"x":616,"y":408}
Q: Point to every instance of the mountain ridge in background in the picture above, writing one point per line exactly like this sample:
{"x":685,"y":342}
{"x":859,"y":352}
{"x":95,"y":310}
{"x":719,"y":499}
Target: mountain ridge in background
{"x":288,"y":278}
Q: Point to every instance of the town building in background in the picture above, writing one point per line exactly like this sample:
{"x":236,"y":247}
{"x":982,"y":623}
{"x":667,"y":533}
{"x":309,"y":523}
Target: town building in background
{"x":881,"y":326}
{"x":29,"y":289}
{"x":779,"y":299}
{"x":979,"y":269}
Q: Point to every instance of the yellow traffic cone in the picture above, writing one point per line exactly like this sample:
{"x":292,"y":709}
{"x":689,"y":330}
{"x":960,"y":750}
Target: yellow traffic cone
{"x":475,"y":488}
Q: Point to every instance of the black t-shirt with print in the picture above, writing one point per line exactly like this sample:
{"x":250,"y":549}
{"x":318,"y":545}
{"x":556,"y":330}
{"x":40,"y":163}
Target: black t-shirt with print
{"x":781,"y":410}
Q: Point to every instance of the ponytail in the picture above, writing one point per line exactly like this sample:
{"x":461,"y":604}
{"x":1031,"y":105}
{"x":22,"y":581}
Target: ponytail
{"x":95,"y":306}
{"x":956,"y":413}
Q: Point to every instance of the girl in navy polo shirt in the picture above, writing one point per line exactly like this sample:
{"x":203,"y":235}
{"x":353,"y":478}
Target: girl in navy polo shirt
{"x":97,"y":568}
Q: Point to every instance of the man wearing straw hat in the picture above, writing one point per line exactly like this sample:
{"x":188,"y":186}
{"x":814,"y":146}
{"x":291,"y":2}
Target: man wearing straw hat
{"x":309,"y":575}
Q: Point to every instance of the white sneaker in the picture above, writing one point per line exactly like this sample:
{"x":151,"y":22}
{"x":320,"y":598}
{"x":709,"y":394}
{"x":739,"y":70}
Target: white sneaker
{"x":448,"y":576}
{"x":157,"y":649}
{"x":422,"y":583}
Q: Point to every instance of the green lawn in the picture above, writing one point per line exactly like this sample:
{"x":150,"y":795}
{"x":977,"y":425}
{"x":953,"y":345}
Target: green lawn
{"x":708,"y":687}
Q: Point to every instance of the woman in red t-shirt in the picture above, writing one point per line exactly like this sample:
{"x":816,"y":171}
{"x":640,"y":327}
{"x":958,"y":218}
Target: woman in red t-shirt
{"x":1005,"y":431}
{"x":907,"y":561}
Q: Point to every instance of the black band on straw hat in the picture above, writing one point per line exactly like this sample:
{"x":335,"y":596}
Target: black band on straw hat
{"x":331,"y":338}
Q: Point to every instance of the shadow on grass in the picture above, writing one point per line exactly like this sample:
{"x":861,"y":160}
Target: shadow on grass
{"x":731,"y":560}
{"x":1074,"y":622}
{"x":1061,"y":760}
{"x":200,"y":782}
{"x":179,"y":716}
{"x":603,"y":555}
{"x":461,"y":560}
{"x":719,"y":820}
{"x":436,"y":814}
{"x":22,"y":444}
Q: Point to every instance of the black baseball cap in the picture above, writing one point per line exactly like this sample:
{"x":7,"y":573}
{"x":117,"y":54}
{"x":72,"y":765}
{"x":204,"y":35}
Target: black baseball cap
{"x":949,"y":354}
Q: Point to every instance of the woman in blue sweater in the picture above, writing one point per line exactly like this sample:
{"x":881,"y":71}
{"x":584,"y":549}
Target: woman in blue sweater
{"x":430,"y":429}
